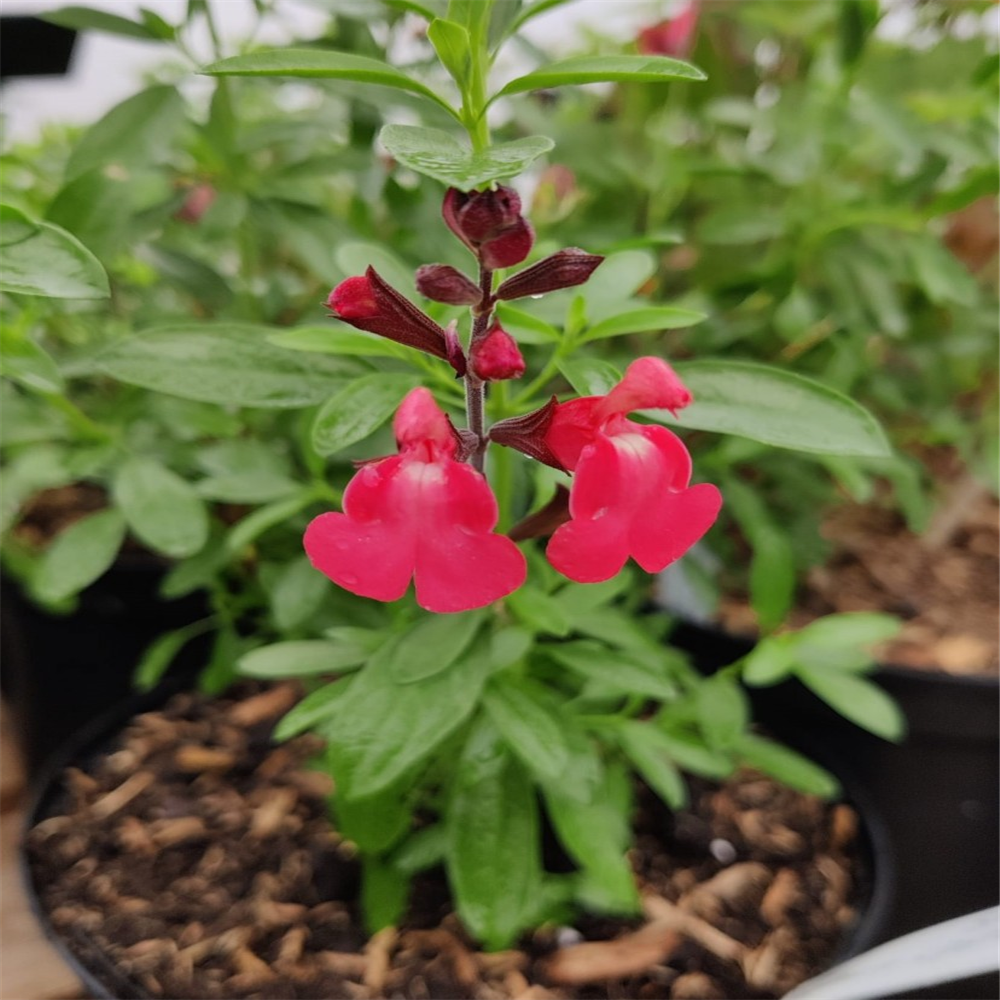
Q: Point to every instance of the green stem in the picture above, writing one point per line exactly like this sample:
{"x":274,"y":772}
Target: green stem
{"x":475,"y":388}
{"x":78,"y":420}
{"x":544,"y":376}
{"x":474,"y":98}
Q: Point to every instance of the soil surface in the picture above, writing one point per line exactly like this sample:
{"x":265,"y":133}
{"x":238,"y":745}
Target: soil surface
{"x":944,"y":584}
{"x":195,"y":859}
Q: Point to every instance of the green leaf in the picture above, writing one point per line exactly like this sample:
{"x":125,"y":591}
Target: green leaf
{"x":23,"y":361}
{"x":493,"y":841}
{"x":596,"y":834}
{"x":856,"y":699}
{"x":940,"y":274}
{"x":613,"y":668}
{"x":358,"y":410}
{"x":301,"y":658}
{"x":356,"y":258}
{"x":251,"y":527}
{"x":423,"y":849}
{"x":140,"y":131}
{"x":694,"y":756}
{"x":590,"y":376}
{"x":95,"y":207}
{"x":314,"y":710}
{"x":525,"y":328}
{"x":158,"y":656}
{"x":378,"y":822}
{"x":852,"y":628}
{"x":770,"y":661}
{"x":87,"y":19}
{"x":603,"y":69}
{"x":723,"y":711}
{"x":775,"y":407}
{"x":532,"y":606}
{"x":509,"y":646}
{"x":440,"y":155}
{"x":251,"y":486}
{"x":380,"y":735}
{"x":297,"y":594}
{"x":196,"y":572}
{"x":643,"y":746}
{"x":787,"y":766}
{"x":160,"y":508}
{"x":528,"y":726}
{"x":227,"y":363}
{"x":79,"y":555}
{"x":384,"y":892}
{"x":433,"y":645}
{"x":451,"y":42}
{"x":337,"y":339}
{"x":739,"y":225}
{"x":15,"y":226}
{"x":324,"y":64}
{"x":643,"y":320}
{"x":47,"y":261}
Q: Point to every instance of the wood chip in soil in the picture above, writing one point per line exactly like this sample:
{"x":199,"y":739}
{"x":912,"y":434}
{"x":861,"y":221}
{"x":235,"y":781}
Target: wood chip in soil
{"x":194,"y":858}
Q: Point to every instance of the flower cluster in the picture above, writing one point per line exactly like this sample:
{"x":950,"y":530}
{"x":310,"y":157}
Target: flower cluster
{"x":427,"y":514}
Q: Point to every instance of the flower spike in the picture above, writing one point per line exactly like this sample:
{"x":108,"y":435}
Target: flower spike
{"x":370,"y":303}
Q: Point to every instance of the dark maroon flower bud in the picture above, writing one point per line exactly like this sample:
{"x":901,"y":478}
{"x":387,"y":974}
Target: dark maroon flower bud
{"x":490,"y":224}
{"x":442,"y":283}
{"x":496,"y":356}
{"x":564,"y":269}
{"x":369,"y":303}
{"x":544,"y":521}
{"x":527,"y":434}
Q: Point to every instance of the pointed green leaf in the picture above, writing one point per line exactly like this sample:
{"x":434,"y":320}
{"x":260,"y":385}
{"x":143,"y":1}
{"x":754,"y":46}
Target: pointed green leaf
{"x":644,"y":748}
{"x":493,"y":841}
{"x":786,"y":765}
{"x":528,"y":727}
{"x":775,"y":407}
{"x":590,"y":376}
{"x":856,"y":699}
{"x":433,"y":645}
{"x":139,"y":131}
{"x":46,"y":260}
{"x":451,"y":43}
{"x":297,"y":593}
{"x":723,"y":710}
{"x":614,"y":668}
{"x":88,"y":19}
{"x":338,"y":339}
{"x":643,"y":320}
{"x":358,"y":410}
{"x":603,"y":69}
{"x":327,"y":65}
{"x":227,"y":363}
{"x":161,"y":509}
{"x":440,"y":155}
{"x":28,"y":364}
{"x":79,"y":555}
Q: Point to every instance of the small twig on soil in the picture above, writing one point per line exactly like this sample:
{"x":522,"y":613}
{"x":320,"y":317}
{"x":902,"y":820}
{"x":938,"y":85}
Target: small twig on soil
{"x":628,"y":955}
{"x":268,"y":705}
{"x":669,"y":917}
{"x":951,"y":515}
{"x":120,"y":797}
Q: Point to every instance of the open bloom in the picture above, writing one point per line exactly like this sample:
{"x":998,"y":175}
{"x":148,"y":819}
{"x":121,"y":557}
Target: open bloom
{"x":672,"y":37}
{"x":630,"y":494}
{"x":421,"y":514}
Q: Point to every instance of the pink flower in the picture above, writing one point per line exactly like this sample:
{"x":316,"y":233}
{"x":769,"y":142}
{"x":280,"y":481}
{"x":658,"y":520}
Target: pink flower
{"x":672,"y":37}
{"x":496,"y":356}
{"x":630,"y":493}
{"x":421,"y":514}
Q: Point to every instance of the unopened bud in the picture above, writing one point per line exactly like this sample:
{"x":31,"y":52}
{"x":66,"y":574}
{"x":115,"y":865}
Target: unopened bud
{"x":353,"y":298}
{"x":564,"y":269}
{"x":490,"y":224}
{"x":496,"y":356}
{"x":442,"y":283}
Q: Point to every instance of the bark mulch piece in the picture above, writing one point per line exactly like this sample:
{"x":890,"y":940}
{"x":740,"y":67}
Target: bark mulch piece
{"x":197,"y":859}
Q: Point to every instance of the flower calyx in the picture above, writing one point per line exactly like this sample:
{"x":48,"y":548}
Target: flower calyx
{"x":563,"y":269}
{"x":490,"y":224}
{"x":444,"y":283}
{"x":527,"y":434}
{"x":370,"y":303}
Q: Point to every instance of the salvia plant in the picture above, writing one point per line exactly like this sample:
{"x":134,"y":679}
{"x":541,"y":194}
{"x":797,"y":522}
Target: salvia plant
{"x":520,"y":683}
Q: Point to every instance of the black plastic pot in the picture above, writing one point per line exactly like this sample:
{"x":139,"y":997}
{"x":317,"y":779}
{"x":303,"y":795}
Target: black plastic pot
{"x":937,"y":791}
{"x":61,"y":671}
{"x":104,"y":981}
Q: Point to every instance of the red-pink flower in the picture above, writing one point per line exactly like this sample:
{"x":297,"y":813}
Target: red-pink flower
{"x":630,"y":493}
{"x":420,"y":514}
{"x":672,"y":37}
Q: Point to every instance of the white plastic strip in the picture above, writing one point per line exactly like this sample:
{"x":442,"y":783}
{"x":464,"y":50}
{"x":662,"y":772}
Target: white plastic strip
{"x":965,"y":946}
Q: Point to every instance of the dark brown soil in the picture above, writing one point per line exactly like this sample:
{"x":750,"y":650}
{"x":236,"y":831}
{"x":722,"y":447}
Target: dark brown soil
{"x":197,"y":857}
{"x":944,"y":584}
